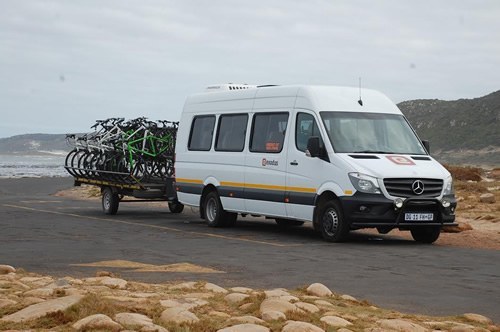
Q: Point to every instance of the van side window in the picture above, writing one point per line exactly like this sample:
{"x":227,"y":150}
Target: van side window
{"x":231,"y":132}
{"x":305,"y":127}
{"x":268,"y":132}
{"x":202,"y":130}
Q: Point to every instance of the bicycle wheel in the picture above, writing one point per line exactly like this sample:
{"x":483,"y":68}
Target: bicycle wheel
{"x":139,"y":170}
{"x":67,"y":162}
{"x":75,"y":162}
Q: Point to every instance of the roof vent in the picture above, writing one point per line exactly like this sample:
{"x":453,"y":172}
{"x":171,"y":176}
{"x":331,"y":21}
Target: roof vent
{"x":229,"y":87}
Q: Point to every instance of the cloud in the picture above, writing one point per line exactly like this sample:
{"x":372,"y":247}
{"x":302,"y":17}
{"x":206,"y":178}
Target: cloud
{"x":129,"y":58}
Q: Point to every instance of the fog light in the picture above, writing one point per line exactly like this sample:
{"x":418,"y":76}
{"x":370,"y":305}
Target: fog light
{"x":398,"y":203}
{"x":445,"y":203}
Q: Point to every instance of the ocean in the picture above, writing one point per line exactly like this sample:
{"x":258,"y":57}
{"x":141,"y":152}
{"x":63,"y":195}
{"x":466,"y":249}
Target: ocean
{"x":32,"y":166}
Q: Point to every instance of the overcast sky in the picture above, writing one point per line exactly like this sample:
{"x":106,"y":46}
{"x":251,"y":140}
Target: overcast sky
{"x":64,"y":64}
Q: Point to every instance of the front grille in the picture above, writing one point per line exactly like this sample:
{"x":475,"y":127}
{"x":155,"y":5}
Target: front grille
{"x":403,"y":187}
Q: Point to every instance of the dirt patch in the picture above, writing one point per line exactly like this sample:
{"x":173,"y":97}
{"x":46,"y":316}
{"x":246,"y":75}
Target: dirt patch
{"x":465,"y":173}
{"x":141,"y":267}
{"x":85,"y":192}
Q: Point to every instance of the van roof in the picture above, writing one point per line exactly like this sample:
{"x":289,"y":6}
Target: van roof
{"x":312,"y":97}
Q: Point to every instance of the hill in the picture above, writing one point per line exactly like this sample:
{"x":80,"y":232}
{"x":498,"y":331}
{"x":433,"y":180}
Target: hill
{"x":464,"y":131}
{"x":34,"y":144}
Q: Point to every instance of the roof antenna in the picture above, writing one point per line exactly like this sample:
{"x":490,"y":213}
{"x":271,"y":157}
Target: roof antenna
{"x":360,"y":101}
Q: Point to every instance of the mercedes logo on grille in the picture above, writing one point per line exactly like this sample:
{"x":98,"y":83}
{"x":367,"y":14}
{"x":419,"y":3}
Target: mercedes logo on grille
{"x":417,"y":187}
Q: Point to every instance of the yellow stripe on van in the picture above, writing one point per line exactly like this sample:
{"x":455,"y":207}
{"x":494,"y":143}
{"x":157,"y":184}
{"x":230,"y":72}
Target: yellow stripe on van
{"x":180,"y":180}
{"x":302,"y":189}
{"x":252,"y":185}
{"x":267,"y":187}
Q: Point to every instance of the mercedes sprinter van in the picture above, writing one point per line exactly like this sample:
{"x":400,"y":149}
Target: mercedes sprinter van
{"x":315,"y":154}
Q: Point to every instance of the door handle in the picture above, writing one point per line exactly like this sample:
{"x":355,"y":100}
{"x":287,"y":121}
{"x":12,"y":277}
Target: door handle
{"x":294,"y":163}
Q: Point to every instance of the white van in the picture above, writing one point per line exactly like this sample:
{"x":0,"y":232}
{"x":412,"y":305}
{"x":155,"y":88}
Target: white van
{"x":309,"y":153}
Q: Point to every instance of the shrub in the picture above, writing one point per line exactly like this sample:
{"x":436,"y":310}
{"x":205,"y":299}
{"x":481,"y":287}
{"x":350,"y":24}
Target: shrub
{"x":465,"y":173}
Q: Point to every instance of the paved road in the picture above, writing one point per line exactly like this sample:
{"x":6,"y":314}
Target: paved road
{"x":44,"y":233}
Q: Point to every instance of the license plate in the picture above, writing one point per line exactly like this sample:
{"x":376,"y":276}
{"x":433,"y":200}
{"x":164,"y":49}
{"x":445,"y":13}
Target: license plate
{"x":419,"y":216}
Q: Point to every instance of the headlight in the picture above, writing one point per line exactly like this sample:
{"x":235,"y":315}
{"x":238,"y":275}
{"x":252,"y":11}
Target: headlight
{"x":364,"y":183}
{"x":448,"y":186}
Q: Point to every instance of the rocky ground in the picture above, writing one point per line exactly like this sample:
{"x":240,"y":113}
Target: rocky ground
{"x":478,"y":209}
{"x":31,"y":302}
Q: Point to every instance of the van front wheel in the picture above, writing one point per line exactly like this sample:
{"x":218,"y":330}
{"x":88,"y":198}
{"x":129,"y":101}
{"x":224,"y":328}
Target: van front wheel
{"x":426,"y":234}
{"x":214,"y":212}
{"x":332,"y":223}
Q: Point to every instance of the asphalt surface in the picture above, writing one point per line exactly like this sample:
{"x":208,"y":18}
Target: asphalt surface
{"x":47,"y":234}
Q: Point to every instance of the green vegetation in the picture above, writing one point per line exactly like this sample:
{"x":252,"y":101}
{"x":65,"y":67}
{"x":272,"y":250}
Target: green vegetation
{"x":464,"y":124}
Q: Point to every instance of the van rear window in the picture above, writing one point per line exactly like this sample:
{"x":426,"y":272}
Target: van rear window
{"x":202,"y":130}
{"x":231,"y":132}
{"x":268,"y":132}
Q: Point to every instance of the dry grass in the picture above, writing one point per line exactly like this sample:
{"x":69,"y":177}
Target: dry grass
{"x":494,"y":174}
{"x":465,"y":173}
{"x":92,"y":304}
{"x":470,"y":183}
{"x":470,"y":187}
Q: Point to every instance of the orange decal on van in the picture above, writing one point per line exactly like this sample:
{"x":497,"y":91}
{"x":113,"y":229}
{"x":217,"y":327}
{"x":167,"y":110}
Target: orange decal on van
{"x":400,"y":160}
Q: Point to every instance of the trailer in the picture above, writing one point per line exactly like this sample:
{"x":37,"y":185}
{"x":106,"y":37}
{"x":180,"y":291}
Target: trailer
{"x":129,"y":161}
{"x":115,"y":192}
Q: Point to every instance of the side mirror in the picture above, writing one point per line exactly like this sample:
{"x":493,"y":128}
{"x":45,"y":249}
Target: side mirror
{"x":313,"y":149}
{"x":427,"y":146}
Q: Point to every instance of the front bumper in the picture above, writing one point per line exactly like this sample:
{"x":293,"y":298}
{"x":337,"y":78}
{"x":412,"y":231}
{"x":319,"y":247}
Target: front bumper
{"x":371,"y":210}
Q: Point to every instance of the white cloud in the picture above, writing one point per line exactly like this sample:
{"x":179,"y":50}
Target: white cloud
{"x":64,"y":64}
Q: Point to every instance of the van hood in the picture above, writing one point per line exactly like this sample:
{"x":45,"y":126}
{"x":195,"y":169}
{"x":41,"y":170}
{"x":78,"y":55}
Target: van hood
{"x":395,"y":166}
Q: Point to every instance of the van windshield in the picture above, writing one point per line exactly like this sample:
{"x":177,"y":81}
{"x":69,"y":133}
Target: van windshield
{"x":354,"y":132}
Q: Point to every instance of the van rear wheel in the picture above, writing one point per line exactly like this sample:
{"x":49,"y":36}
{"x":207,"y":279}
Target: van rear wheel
{"x":426,"y":234}
{"x":332,"y":224}
{"x":214,"y":212}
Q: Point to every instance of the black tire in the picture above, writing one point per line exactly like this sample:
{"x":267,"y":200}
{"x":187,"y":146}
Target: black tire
{"x":288,"y":222}
{"x":175,"y":207}
{"x":75,"y":162}
{"x":317,"y":225}
{"x":426,"y":234}
{"x":85,"y":163}
{"x":110,"y":201}
{"x":67,"y":162}
{"x":334,"y":227}
{"x":230,"y":219}
{"x":214,"y":212}
{"x":384,"y":230}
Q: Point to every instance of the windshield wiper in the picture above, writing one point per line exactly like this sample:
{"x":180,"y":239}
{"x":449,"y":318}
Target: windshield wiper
{"x":373,"y":151}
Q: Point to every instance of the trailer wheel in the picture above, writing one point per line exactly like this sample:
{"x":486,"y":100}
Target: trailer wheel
{"x":175,"y":207}
{"x":110,"y":201}
{"x":331,"y":219}
{"x":214,"y":212}
{"x":426,"y":234}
